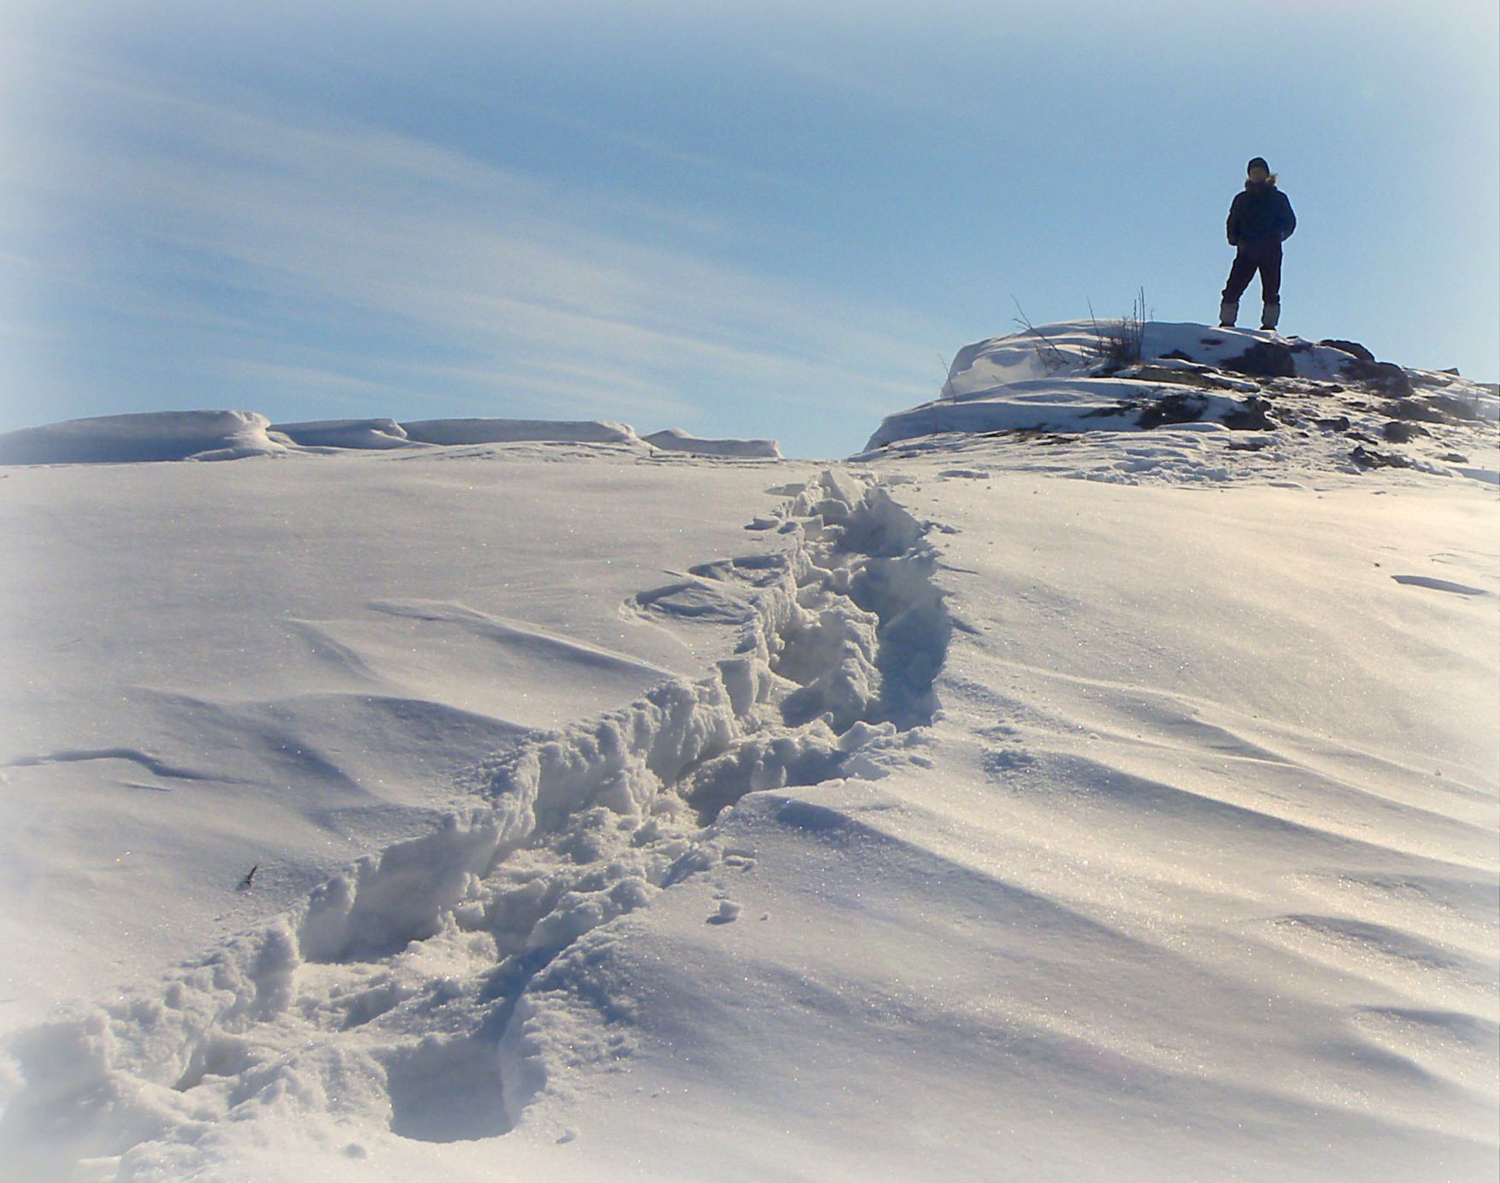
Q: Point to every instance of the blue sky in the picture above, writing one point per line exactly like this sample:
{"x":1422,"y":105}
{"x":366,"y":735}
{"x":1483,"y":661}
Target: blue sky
{"x":750,"y":219}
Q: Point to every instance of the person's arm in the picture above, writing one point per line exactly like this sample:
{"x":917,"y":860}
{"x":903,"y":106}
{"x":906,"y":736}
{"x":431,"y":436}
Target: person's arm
{"x":1232,"y":225}
{"x":1289,"y":220}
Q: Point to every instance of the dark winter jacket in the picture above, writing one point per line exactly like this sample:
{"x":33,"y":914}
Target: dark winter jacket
{"x":1260,"y":216}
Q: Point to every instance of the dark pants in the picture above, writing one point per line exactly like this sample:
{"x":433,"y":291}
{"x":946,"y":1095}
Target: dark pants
{"x":1264,"y":257}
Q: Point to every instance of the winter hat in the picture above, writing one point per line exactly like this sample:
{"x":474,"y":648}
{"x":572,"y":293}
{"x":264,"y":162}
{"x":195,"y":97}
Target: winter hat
{"x":1258,"y":162}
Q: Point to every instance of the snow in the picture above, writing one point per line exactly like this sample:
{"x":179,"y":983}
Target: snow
{"x":489,"y":431}
{"x":1009,"y":806}
{"x":236,"y":435}
{"x":1287,"y":406}
{"x":345,"y":433}
{"x":674,"y":439}
{"x":166,"y":435}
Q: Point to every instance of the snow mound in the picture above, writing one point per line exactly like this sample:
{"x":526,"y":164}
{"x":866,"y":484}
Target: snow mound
{"x":1310,"y":406}
{"x":345,"y":433}
{"x":1080,"y":404}
{"x":1072,"y":348}
{"x":674,"y":439}
{"x":161,"y":435}
{"x":515,"y":431}
{"x":229,"y":435}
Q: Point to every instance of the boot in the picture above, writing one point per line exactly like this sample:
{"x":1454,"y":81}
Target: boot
{"x":1270,"y":314}
{"x":1229,"y":310}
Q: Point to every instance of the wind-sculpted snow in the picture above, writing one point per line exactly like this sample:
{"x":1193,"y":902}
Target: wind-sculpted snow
{"x":510,"y":431}
{"x":674,"y":439}
{"x":377,"y":434}
{"x":123,"y":439}
{"x":445,"y":979}
{"x":234,"y":435}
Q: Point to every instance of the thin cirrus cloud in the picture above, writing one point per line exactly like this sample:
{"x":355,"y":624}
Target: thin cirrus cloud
{"x":411,"y":273}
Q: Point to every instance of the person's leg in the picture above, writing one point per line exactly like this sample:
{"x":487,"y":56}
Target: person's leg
{"x":1239,"y":279}
{"x":1240,"y":275}
{"x":1270,"y":287}
{"x":1270,"y":275}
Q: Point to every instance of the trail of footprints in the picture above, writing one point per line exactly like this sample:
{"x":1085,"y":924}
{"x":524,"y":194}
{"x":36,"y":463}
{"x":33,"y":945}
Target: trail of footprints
{"x":451,"y":972}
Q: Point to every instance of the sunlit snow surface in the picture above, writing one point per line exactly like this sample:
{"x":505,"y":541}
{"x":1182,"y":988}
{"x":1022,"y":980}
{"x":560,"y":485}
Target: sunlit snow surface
{"x":618,"y":812}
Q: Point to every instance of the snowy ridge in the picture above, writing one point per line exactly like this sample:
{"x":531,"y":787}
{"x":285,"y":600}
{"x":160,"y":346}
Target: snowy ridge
{"x":674,"y":439}
{"x":1213,"y":404}
{"x":446,"y":978}
{"x":345,"y":433}
{"x":515,"y":431}
{"x":235,"y":435}
{"x":165,"y":435}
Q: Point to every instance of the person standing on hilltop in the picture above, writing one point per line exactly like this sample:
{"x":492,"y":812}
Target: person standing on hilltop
{"x":1260,"y":220}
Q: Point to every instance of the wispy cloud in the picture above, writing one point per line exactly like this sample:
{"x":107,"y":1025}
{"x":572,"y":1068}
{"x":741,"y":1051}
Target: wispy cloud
{"x":309,"y":249}
{"x":659,"y":149}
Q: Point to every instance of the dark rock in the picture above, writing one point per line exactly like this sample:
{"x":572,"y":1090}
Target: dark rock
{"x":1415,"y":411}
{"x":1398,"y":431}
{"x":1453,"y":371}
{"x":1339,"y":424}
{"x":1454,"y":458}
{"x":1247,"y":445}
{"x":1353,"y":348}
{"x":1382,"y":375}
{"x":1369,"y":458}
{"x":1454,"y":407}
{"x":1177,"y":355}
{"x":1271,"y":387}
{"x":1264,"y":359}
{"x":1204,"y":377}
{"x":1173,"y":408}
{"x":1250,"y":415}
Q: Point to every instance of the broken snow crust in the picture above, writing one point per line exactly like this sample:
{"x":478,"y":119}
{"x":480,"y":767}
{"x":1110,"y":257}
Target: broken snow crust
{"x":924,"y":818}
{"x":206,"y":667}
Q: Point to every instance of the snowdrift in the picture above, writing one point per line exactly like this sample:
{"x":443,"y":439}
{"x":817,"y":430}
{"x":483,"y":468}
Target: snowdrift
{"x":513,"y":431}
{"x":233,"y":435}
{"x":580,"y":827}
{"x":674,"y":439}
{"x":345,"y":433}
{"x":125,"y":439}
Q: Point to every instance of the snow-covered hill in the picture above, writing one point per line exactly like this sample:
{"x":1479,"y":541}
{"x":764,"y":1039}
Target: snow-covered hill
{"x":1244,"y":406}
{"x":398,"y":804}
